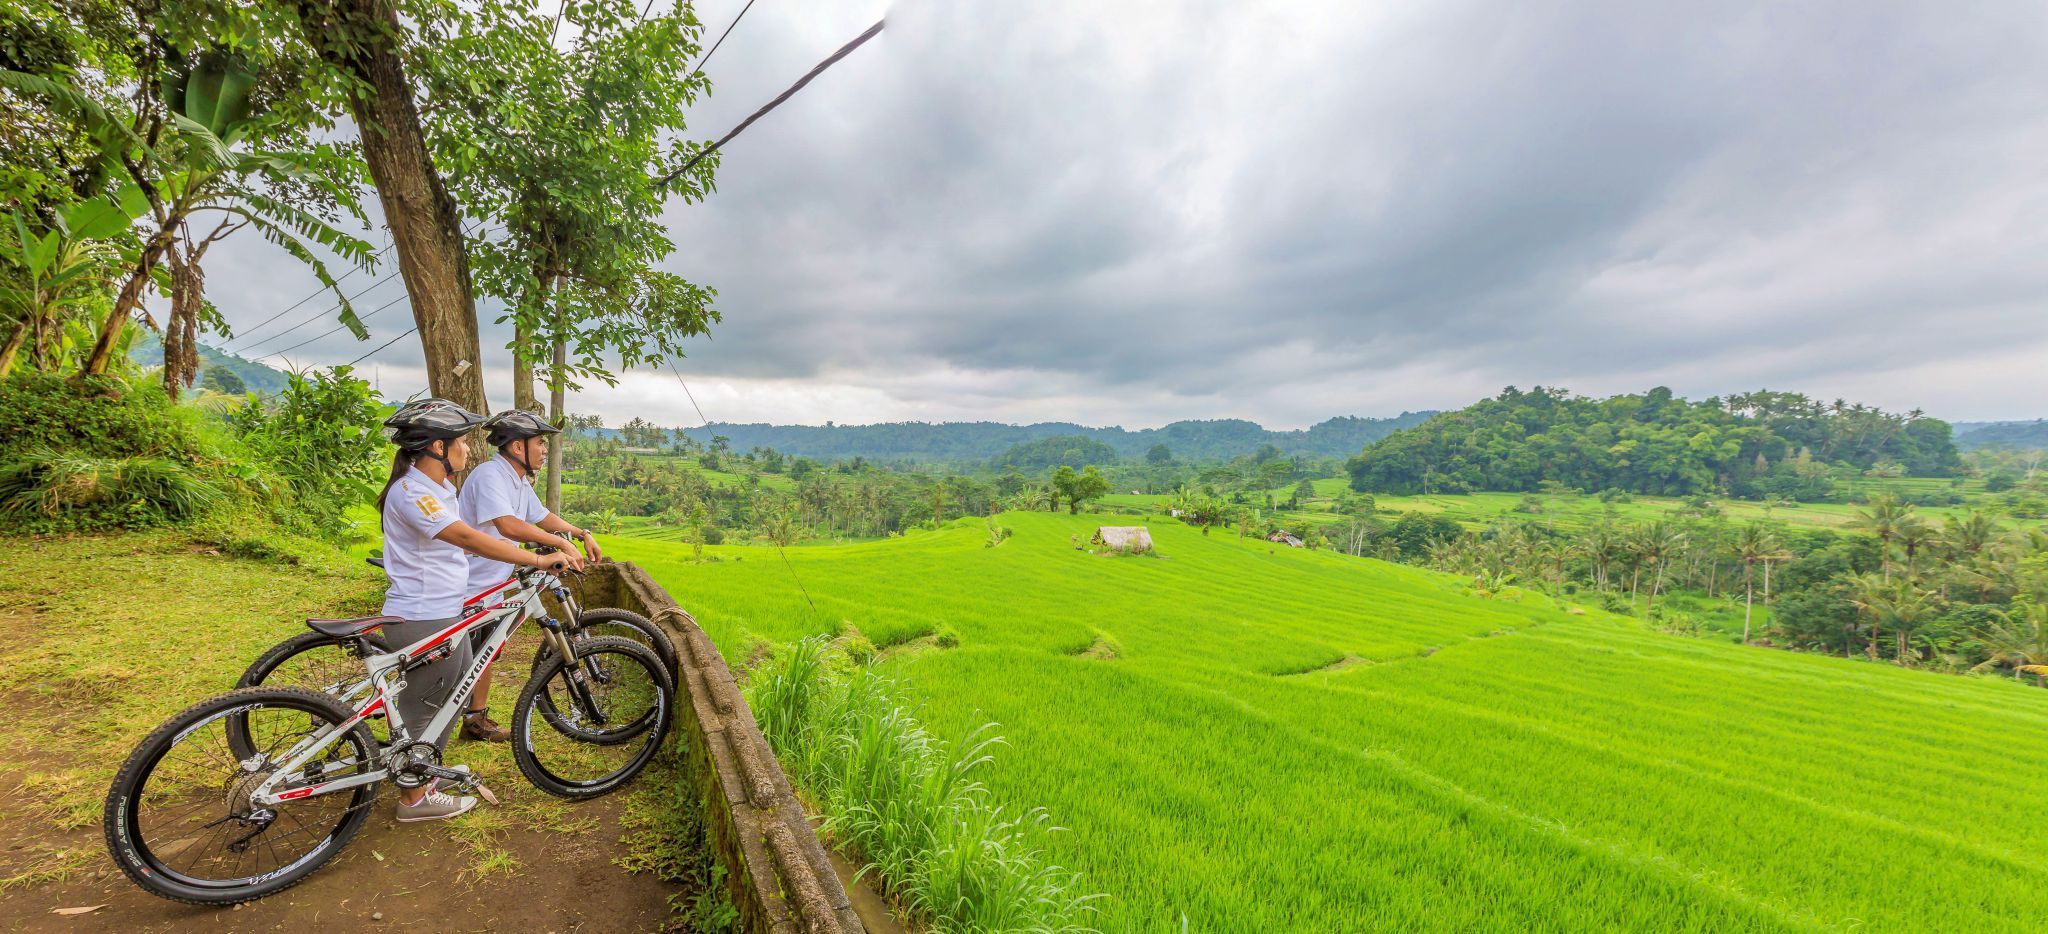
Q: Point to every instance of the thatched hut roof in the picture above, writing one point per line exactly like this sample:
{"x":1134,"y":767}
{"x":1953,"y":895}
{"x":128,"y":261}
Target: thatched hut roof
{"x":1130,"y":538}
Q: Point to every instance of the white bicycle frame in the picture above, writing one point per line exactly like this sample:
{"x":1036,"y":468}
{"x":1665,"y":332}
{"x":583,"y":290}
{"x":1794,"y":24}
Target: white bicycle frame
{"x":519,"y":602}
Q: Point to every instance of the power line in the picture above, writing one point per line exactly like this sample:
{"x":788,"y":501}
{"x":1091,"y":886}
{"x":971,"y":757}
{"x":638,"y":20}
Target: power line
{"x":408,"y":331}
{"x":474,"y":229}
{"x":844,"y":51}
{"x":251,"y":343}
{"x":316,"y":292}
{"x":721,"y":38}
{"x":337,"y":328}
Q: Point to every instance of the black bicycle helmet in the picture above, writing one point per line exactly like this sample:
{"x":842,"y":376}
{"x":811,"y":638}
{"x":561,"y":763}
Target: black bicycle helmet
{"x":421,"y":422}
{"x":516,"y":425}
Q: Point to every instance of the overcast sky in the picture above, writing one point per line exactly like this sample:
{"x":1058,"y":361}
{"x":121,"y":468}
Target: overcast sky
{"x":1131,"y":213}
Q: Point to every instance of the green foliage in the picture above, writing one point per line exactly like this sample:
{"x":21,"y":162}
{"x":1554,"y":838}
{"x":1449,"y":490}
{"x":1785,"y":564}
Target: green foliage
{"x":222,"y":380}
{"x":1070,"y":451}
{"x":1749,"y":445}
{"x":1078,"y":488}
{"x":320,"y":435}
{"x":908,"y":802}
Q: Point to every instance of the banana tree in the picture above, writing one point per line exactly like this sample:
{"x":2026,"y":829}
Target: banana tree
{"x":60,"y":267}
{"x":198,"y":163}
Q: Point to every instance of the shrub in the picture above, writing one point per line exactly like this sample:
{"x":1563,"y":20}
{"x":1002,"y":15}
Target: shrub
{"x":321,"y":436}
{"x":63,"y":491}
{"x":95,"y":454}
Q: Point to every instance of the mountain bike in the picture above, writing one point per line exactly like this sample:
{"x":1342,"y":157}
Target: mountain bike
{"x":245,"y":794}
{"x":333,"y":665}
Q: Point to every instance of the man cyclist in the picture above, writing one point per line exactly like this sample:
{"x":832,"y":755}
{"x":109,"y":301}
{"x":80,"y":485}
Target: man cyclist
{"x":498,"y":500}
{"x":424,"y":545}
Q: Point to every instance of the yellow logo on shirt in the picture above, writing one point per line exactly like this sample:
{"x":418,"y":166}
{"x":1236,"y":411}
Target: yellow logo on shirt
{"x":429,"y":506}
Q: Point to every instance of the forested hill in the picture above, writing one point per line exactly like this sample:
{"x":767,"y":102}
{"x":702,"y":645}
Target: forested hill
{"x":2025,"y":435}
{"x":148,"y":350}
{"x":961,"y":442}
{"x":1747,"y":445}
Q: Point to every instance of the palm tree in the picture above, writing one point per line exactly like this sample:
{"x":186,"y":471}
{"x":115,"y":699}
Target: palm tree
{"x":1906,"y":607}
{"x":1969,"y":534}
{"x":2019,"y":638}
{"x":1753,"y":543}
{"x":1654,"y":545}
{"x":1886,"y":518}
{"x":1601,"y":547}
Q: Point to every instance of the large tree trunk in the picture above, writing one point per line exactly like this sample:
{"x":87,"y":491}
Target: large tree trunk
{"x":359,"y":37}
{"x":1748,"y":600}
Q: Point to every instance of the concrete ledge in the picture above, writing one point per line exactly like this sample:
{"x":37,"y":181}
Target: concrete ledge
{"x":778,"y":874}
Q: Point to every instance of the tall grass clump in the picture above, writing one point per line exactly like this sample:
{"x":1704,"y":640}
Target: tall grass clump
{"x":134,"y":491}
{"x":907,"y":803}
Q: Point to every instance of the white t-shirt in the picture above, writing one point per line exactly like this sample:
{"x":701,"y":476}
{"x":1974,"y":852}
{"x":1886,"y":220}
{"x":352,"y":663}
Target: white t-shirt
{"x":427,"y":575}
{"x":493,"y":491}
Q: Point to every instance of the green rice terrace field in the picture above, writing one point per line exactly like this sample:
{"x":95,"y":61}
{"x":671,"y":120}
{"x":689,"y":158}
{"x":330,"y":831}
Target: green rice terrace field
{"x":1239,"y":737}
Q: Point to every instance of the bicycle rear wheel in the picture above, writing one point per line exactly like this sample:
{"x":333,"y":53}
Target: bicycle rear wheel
{"x":314,"y":662}
{"x":612,"y":715}
{"x":179,"y":820}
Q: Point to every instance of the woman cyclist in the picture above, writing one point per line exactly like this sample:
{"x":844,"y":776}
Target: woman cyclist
{"x":498,"y":500}
{"x":425,"y":541}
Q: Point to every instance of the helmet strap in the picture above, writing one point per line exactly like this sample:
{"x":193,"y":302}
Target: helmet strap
{"x":442,"y":457}
{"x":514,"y":458}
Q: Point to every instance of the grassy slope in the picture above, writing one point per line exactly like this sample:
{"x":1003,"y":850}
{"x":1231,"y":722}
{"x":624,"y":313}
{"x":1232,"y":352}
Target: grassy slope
{"x":1540,"y":769}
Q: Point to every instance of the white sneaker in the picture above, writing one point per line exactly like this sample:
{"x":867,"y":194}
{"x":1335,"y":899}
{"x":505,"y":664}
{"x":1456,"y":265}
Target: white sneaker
{"x":435,"y":806}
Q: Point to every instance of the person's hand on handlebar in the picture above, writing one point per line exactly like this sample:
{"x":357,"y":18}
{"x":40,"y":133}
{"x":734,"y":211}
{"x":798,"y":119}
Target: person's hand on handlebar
{"x":557,"y":561}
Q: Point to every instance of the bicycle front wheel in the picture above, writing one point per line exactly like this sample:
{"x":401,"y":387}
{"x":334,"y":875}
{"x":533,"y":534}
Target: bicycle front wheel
{"x":610,"y":714}
{"x":180,"y":820}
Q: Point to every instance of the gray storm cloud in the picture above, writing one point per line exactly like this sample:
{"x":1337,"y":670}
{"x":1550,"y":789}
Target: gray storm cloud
{"x":1132,"y":213}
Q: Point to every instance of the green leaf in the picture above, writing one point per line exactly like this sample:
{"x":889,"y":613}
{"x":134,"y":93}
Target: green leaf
{"x":217,"y":94}
{"x":204,"y":149}
{"x":41,"y":250}
{"x":98,"y":218}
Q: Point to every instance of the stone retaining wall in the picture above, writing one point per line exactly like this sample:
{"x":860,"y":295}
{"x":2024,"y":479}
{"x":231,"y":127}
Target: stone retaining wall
{"x":777,"y":871}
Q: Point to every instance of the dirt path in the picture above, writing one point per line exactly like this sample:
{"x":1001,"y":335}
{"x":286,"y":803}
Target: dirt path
{"x":425,"y":880}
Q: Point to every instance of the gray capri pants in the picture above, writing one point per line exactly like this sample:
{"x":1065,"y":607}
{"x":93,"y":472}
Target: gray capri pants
{"x":427,"y":688}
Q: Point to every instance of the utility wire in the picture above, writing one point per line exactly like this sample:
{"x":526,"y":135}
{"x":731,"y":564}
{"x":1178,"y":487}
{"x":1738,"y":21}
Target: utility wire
{"x":337,"y":328}
{"x":721,"y":38}
{"x":844,"y":51}
{"x":473,"y":230}
{"x":250,"y":343}
{"x":408,"y":332}
{"x":316,"y":293}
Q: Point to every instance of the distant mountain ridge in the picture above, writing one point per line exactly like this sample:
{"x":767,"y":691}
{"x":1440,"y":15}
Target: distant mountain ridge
{"x":2033,"y":434}
{"x":957,"y":442}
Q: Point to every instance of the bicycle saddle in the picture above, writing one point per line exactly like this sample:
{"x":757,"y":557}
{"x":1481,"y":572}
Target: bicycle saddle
{"x":350,"y":628}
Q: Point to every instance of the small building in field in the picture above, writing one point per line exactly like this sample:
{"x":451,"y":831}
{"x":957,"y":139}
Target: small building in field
{"x":1282,"y":536}
{"x":1129,"y":539}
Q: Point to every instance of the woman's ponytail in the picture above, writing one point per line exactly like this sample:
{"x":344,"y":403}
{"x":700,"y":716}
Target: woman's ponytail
{"x":400,"y":463}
